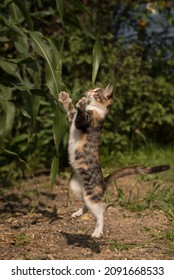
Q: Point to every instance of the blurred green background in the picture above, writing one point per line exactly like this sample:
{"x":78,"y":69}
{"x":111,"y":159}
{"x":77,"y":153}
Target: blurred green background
{"x":48,"y":46}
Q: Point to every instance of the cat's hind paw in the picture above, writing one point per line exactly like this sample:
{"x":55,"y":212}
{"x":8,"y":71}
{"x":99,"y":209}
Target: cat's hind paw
{"x":83,"y":102}
{"x":78,"y":213}
{"x":97,"y":234}
{"x":74,"y":215}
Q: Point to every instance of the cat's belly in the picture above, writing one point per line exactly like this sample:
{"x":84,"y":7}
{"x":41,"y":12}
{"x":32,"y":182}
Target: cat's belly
{"x":74,"y":139}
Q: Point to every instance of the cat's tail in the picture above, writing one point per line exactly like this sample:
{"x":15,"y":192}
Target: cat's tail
{"x":133,"y":170}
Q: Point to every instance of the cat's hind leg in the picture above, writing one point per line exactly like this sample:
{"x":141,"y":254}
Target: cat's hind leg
{"x":97,"y":209}
{"x":80,"y":212}
{"x":76,"y":187}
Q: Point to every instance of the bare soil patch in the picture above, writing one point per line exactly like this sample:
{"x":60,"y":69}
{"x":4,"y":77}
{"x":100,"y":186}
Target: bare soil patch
{"x":36,"y":223}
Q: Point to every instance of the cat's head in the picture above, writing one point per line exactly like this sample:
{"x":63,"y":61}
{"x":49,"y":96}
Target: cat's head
{"x":101,"y":97}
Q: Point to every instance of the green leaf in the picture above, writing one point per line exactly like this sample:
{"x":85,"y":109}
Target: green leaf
{"x":82,"y":8}
{"x":59,"y":127}
{"x":35,"y":104}
{"x":21,"y":60}
{"x":22,"y":45}
{"x":96,"y":59}
{"x":85,"y":10}
{"x":8,"y":111}
{"x":60,"y":6}
{"x":43,"y":49}
{"x":19,"y":158}
{"x":57,"y":57}
{"x":54,"y":171}
{"x":16,"y":16}
{"x":22,"y":7}
{"x":11,"y":69}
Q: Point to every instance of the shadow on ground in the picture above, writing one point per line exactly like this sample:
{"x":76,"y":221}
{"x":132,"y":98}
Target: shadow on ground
{"x":82,"y":241}
{"x":34,"y":201}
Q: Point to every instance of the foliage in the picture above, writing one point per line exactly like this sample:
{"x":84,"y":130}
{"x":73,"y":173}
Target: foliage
{"x":157,"y":197}
{"x":22,"y":82}
{"x":49,"y":46}
{"x":161,"y":199}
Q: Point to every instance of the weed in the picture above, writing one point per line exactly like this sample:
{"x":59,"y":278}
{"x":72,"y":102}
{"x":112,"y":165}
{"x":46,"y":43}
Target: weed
{"x":34,"y":195}
{"x":146,"y":229}
{"x":25,"y":257}
{"x":55,"y":210}
{"x":167,"y":236}
{"x":161,"y":198}
{"x":120,"y":246}
{"x":20,"y":239}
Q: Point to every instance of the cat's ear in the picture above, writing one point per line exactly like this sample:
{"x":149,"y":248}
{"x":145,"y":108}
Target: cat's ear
{"x":108,"y":91}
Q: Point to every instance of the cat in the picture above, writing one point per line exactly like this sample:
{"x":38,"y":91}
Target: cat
{"x":86,"y":122}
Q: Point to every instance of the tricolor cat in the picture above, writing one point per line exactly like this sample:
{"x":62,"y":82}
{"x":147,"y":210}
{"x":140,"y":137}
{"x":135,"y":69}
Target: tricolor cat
{"x":86,"y":122}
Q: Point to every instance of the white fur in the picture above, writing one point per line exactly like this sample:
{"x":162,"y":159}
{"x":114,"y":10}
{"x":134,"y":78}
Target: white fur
{"x":74,"y":137}
{"x":76,"y":187}
{"x":97,"y":210}
{"x":100,"y":111}
{"x":80,"y":212}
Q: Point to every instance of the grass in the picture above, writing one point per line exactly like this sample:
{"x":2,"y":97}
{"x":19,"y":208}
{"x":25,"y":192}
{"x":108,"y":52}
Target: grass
{"x":120,"y":246}
{"x":160,"y":189}
{"x":167,"y":236}
{"x":150,"y":155}
{"x":161,"y":197}
{"x":20,"y":239}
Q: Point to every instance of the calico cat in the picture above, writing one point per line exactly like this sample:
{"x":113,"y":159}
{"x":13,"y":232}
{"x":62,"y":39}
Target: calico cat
{"x":86,"y":122}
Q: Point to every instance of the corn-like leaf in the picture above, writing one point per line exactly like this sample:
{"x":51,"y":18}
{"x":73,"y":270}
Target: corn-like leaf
{"x":11,"y":69}
{"x":22,"y":45}
{"x":59,"y":127}
{"x":19,"y":158}
{"x":32,"y":102}
{"x":81,"y":7}
{"x":22,"y":7}
{"x":60,"y":6}
{"x":18,"y":12}
{"x":44,"y":50}
{"x":16,"y":16}
{"x":23,"y":60}
{"x":35,"y":103}
{"x":54,"y":171}
{"x":57,"y":57}
{"x":35,"y":100}
{"x":96,"y":59}
{"x":8,"y":108}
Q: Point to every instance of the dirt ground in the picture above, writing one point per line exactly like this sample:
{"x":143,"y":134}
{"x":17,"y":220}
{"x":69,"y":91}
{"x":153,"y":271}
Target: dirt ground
{"x":36,"y":223}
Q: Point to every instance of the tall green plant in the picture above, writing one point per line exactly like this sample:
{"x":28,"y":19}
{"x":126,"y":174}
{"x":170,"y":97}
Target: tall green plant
{"x":31,"y":67}
{"x":25,"y":68}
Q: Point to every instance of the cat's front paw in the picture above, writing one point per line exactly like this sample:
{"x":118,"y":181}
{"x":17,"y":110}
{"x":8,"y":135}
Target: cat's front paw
{"x":83,"y":102}
{"x":64,"y":97}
